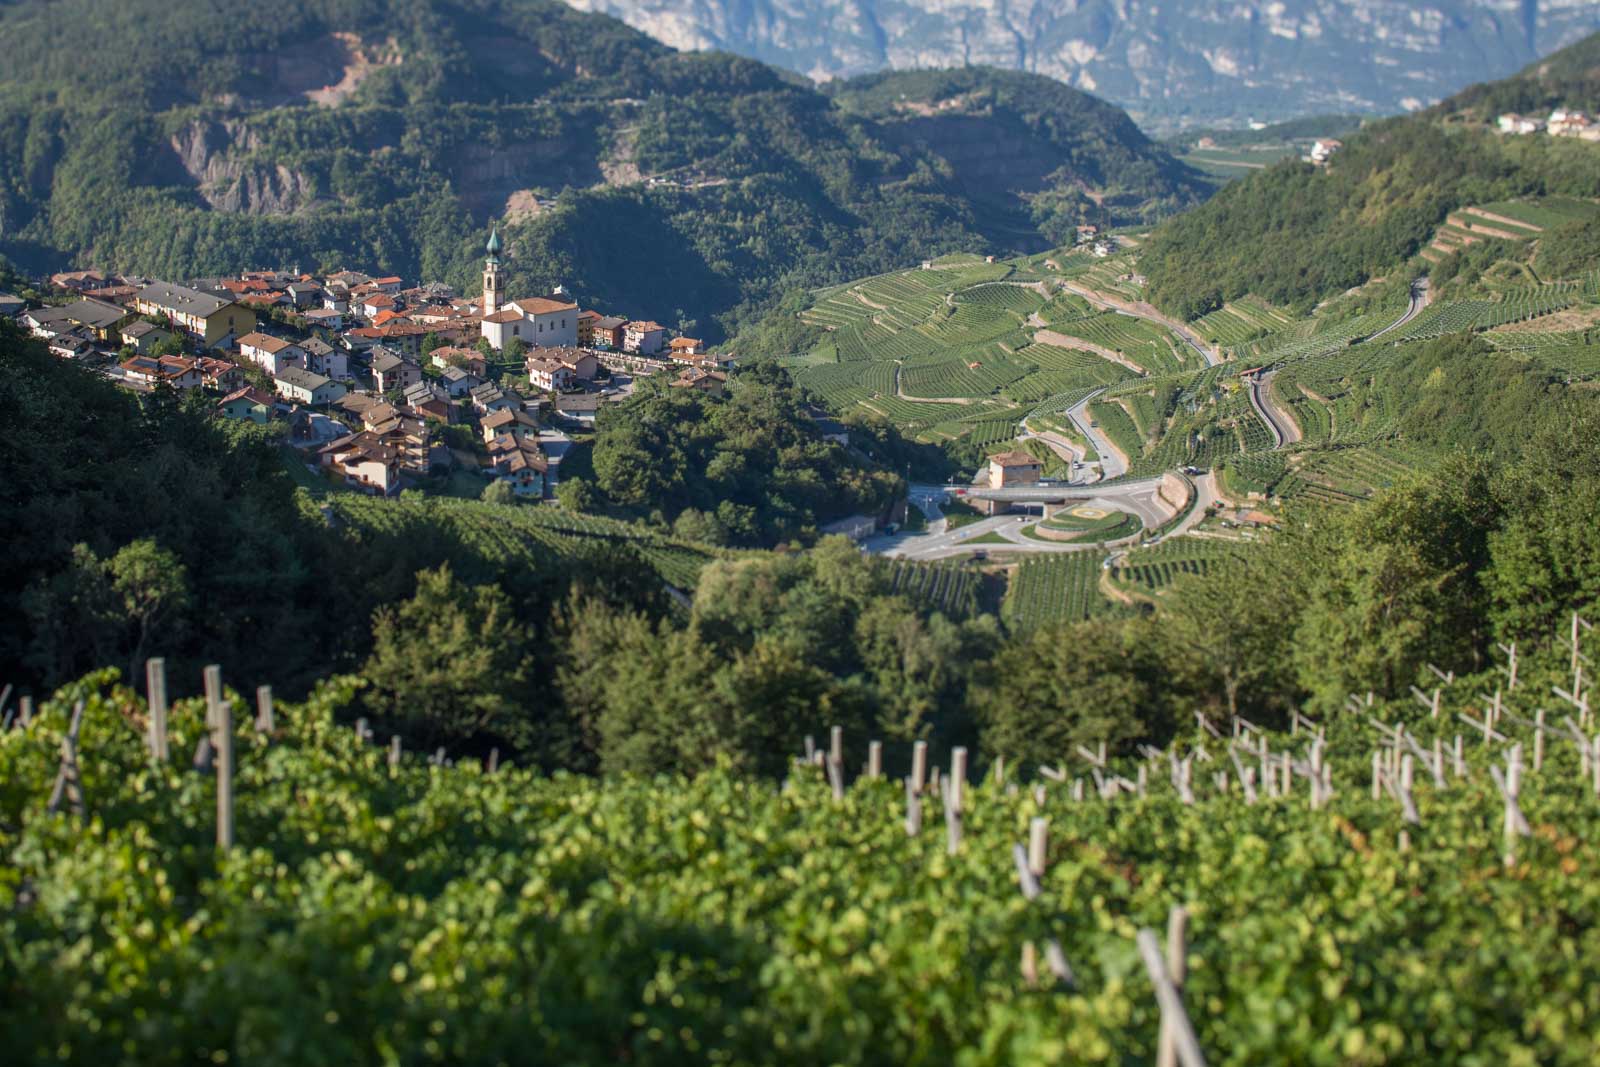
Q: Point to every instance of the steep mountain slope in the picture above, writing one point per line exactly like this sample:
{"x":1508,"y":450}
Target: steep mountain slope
{"x":1296,"y":234}
{"x":1024,"y":147}
{"x":386,"y":135}
{"x":1168,"y":62}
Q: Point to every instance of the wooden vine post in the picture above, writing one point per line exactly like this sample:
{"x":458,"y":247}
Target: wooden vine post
{"x":224,"y":777}
{"x":69,"y":782}
{"x":264,"y":718}
{"x":155,"y":688}
{"x":1173,"y":1015}
{"x":913,"y":809}
{"x":1177,"y":971}
{"x":958,"y":777}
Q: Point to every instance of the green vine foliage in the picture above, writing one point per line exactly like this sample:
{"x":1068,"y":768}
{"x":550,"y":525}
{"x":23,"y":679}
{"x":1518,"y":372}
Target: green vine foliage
{"x":432,"y":914}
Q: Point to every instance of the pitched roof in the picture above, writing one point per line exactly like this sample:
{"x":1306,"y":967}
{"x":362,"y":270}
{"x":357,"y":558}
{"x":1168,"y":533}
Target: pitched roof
{"x":611,"y":322}
{"x":358,"y":403}
{"x":299,"y":376}
{"x":543,"y":305}
{"x":265,"y":342}
{"x":506,"y":417}
{"x":645,"y":326}
{"x":96,"y":313}
{"x":182,"y":299}
{"x":250,"y":393}
{"x":685,"y":342}
{"x":384,"y":362}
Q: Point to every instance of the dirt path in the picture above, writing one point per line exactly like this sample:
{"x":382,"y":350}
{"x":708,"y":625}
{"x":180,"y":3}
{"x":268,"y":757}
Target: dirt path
{"x":1493,"y":217}
{"x":1062,"y":340}
{"x":1111,"y":592}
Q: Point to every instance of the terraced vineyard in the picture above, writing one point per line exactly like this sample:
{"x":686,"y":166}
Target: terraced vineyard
{"x":1114,"y":421}
{"x":1315,"y":338}
{"x":1542,"y":214}
{"x":1519,"y":305}
{"x":1156,"y":568}
{"x":1142,"y":343}
{"x":1211,"y":419}
{"x":1258,"y":473}
{"x":842,"y":385}
{"x":1064,"y":307}
{"x":950,"y":588}
{"x":1056,"y":587}
{"x":986,"y":374}
{"x":1241,"y":322}
{"x":1347,"y":474}
{"x":516,"y":536}
{"x":1058,"y":403}
{"x":1020,"y":299}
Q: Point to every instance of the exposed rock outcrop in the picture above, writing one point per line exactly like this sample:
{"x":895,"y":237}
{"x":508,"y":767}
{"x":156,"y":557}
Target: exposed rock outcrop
{"x":215,"y":155}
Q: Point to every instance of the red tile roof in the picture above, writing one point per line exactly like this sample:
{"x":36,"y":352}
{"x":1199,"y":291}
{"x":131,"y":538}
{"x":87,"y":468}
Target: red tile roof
{"x":542,"y":305}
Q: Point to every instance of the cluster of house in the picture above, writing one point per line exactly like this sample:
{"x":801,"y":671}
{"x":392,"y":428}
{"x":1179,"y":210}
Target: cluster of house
{"x":1563,"y":122}
{"x":344,"y":357}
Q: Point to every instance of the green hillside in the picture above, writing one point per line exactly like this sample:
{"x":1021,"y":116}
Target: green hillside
{"x":328,"y":132}
{"x":1296,"y":234}
{"x":1033,"y":156}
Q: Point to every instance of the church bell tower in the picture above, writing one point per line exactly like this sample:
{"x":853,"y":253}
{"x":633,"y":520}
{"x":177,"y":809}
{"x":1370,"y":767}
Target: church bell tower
{"x":493,"y":280}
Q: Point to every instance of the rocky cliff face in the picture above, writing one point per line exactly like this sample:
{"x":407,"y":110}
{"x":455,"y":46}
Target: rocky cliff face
{"x":1169,"y":62}
{"x":215,"y":156}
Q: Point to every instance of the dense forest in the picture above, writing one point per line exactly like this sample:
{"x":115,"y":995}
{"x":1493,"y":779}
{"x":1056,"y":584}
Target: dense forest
{"x":1297,"y":234}
{"x":327,"y":133}
{"x":748,"y":468}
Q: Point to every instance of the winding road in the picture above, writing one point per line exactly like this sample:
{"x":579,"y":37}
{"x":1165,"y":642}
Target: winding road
{"x":1113,"y":463}
{"x":1285,"y":431}
{"x":1421,"y":297}
{"x":1003,"y":533}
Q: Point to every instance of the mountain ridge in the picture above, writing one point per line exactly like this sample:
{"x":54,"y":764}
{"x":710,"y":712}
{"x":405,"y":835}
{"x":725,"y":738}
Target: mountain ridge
{"x":344,"y":132}
{"x":1169,"y":64}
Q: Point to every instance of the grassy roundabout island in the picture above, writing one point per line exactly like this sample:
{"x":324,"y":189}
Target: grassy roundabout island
{"x":1087,"y":523}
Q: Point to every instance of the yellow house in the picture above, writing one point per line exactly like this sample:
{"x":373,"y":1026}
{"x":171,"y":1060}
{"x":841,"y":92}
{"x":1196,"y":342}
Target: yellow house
{"x":208,"y":319}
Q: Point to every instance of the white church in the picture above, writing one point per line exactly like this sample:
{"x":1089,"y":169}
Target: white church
{"x":538,"y":322}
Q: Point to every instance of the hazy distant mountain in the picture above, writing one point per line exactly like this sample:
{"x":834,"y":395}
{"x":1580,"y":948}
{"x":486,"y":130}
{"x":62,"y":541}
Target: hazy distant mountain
{"x":1167,"y":61}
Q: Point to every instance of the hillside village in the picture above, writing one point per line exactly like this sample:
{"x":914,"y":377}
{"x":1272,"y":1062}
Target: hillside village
{"x":1561,"y":122}
{"x":377,"y":385}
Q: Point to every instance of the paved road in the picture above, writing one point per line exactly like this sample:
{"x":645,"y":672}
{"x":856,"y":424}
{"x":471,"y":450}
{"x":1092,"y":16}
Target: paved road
{"x":1421,"y":297}
{"x":1113,"y":464}
{"x":939,"y":541}
{"x":1285,"y":431}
